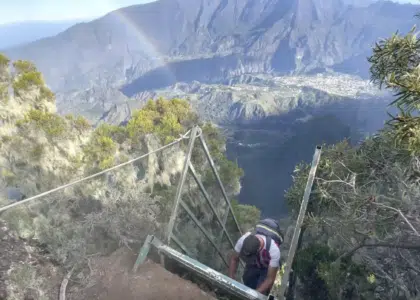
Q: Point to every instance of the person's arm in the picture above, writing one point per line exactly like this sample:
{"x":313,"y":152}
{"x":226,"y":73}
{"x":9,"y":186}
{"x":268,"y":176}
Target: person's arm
{"x":233,"y":266}
{"x":234,"y":259}
{"x":273,"y":267}
{"x":269,"y":280}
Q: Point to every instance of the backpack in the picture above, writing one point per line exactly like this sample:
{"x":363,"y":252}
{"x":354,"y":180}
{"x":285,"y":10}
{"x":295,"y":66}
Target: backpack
{"x":270,"y":228}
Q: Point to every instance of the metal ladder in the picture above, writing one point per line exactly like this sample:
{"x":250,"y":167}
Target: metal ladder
{"x":185,"y":259}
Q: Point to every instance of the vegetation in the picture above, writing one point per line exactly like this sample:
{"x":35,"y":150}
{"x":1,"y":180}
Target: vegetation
{"x":364,"y":204}
{"x":167,"y":119}
{"x":100,"y":151}
{"x":246,"y":215}
{"x":24,"y":66}
{"x":27,"y":80}
{"x":4,"y":78}
{"x":52,"y":124}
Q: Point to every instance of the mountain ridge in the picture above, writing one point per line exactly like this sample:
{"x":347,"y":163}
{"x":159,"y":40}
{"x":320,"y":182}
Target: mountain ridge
{"x":270,"y":35}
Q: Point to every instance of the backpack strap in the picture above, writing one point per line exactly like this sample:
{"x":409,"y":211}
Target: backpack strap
{"x":268,"y":243}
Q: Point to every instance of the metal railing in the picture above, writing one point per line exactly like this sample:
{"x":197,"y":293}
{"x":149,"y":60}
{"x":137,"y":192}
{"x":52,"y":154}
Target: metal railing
{"x":188,"y":167}
{"x":299,"y":223}
{"x":216,"y":279}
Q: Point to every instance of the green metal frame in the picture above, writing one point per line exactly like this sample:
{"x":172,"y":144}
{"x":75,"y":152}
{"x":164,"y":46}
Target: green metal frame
{"x":299,"y":222}
{"x":196,"y":133}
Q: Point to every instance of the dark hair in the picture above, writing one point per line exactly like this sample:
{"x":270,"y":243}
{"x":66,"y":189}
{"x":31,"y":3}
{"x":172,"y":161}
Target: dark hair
{"x":250,"y":246}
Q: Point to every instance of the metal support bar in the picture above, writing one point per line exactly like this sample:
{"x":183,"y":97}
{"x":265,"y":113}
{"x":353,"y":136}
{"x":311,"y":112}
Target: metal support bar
{"x":206,"y":234}
{"x":181,"y":245}
{"x":216,"y":278}
{"x":299,"y":222}
{"x":203,"y":190}
{"x":216,"y":174}
{"x":143,"y":252}
{"x":181,"y":183}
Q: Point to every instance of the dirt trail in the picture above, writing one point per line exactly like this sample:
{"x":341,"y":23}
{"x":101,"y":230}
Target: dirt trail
{"x":112,"y":280}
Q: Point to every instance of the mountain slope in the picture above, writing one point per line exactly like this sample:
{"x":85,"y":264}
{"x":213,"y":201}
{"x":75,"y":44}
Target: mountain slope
{"x":235,"y":37}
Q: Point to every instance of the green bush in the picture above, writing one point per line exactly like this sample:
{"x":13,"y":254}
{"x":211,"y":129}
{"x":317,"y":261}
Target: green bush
{"x":166,"y":118}
{"x":99,"y":152}
{"x":69,"y":117}
{"x":46,"y":94}
{"x":81,"y":124}
{"x":53,"y":125}
{"x":4,"y":93}
{"x":26,"y":81}
{"x":246,"y":215}
{"x":229,"y":171}
{"x":306,"y":267}
{"x":116,"y":133}
{"x":24,"y":66}
{"x":4,"y":61}
{"x":214,"y":139}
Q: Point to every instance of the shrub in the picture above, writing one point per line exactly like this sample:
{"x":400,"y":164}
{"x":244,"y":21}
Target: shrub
{"x":47,"y":94}
{"x":4,"y":61}
{"x":116,"y":133}
{"x":69,"y":117}
{"x":53,"y":125}
{"x":166,"y":118}
{"x":81,"y":124}
{"x":306,"y":267}
{"x":24,"y":66}
{"x":99,"y":152}
{"x":26,"y":81}
{"x":4,"y":93}
{"x":246,"y":215}
{"x":215,"y":140}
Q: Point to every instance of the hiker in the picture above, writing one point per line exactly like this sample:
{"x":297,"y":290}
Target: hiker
{"x":260,"y":251}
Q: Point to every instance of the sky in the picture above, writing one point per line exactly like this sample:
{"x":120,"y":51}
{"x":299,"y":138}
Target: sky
{"x":53,"y":10}
{"x":30,"y":10}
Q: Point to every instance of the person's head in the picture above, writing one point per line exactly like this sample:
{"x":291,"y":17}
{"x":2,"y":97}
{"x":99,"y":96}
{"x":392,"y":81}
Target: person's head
{"x":250,"y":248}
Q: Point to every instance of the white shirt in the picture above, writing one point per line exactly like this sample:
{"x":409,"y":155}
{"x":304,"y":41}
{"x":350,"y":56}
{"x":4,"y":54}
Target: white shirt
{"x":274,"y":249}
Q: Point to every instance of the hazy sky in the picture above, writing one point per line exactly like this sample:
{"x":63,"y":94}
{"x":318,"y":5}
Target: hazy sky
{"x":24,"y":10}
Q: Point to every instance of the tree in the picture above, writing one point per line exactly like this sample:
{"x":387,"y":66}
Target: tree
{"x":365,"y":200}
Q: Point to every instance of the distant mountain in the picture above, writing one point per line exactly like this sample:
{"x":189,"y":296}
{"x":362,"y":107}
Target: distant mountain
{"x":167,"y":41}
{"x":14,"y":34}
{"x":361,"y":3}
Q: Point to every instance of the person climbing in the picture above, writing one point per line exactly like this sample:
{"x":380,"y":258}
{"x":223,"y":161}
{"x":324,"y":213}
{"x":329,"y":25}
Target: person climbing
{"x":260,"y":251}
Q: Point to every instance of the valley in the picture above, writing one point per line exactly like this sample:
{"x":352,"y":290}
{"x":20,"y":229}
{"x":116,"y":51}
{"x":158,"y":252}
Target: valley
{"x":268,"y":75}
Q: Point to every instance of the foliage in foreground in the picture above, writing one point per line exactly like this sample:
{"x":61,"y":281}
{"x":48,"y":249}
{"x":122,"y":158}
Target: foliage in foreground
{"x":365,"y":200}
